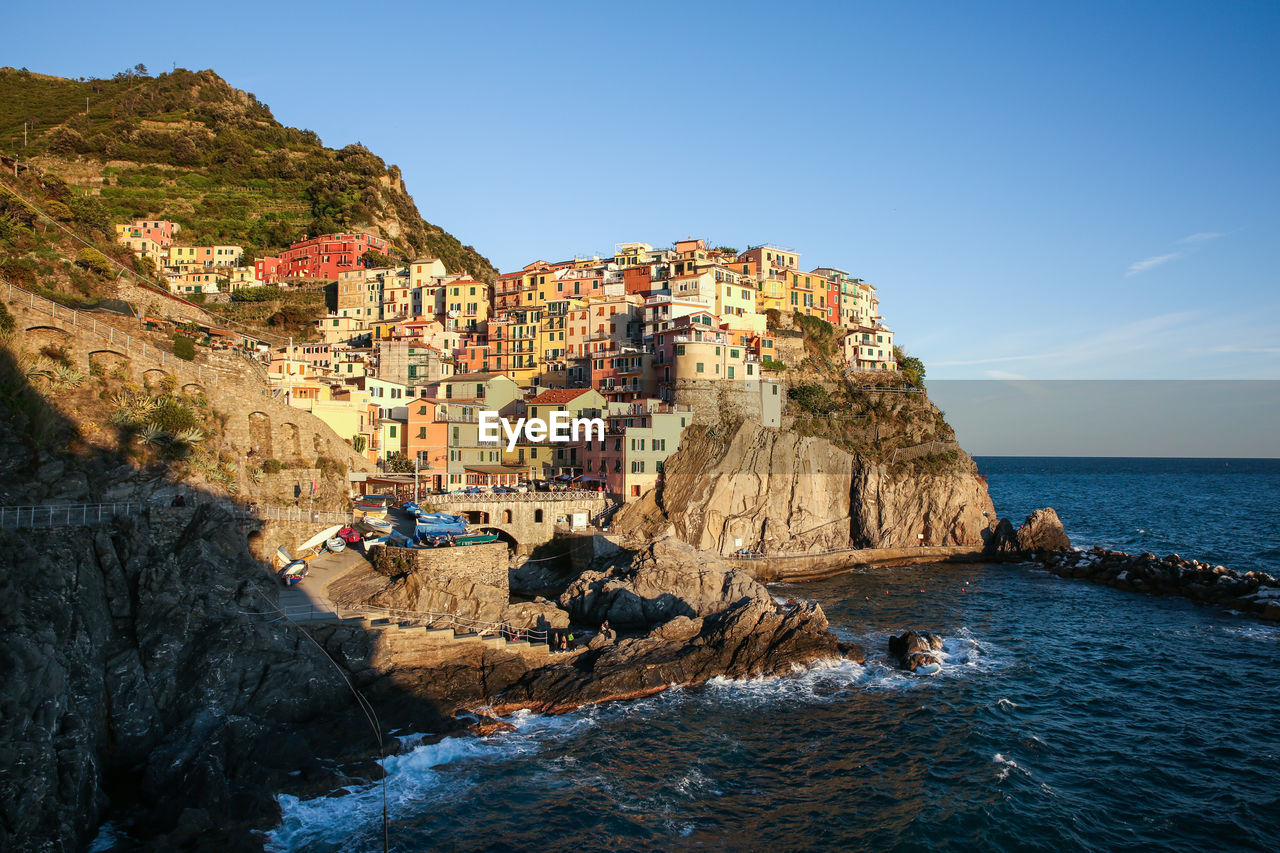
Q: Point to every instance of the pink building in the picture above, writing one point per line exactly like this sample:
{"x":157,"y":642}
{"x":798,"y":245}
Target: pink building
{"x":320,"y":257}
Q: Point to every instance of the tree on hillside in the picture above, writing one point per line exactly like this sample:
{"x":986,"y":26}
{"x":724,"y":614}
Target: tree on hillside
{"x":373,"y":259}
{"x":912,"y":368}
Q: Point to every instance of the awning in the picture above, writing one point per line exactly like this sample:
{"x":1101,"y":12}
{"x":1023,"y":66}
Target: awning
{"x":491,"y":469}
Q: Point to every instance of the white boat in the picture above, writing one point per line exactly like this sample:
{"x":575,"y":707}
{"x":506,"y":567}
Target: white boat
{"x":335,"y":545}
{"x":378,"y":525}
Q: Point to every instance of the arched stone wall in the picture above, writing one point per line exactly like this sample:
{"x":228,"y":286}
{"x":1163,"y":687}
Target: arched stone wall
{"x":260,"y":435}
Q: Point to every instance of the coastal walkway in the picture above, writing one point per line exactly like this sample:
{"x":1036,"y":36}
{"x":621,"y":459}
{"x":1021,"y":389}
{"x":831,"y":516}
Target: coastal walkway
{"x":772,"y":568}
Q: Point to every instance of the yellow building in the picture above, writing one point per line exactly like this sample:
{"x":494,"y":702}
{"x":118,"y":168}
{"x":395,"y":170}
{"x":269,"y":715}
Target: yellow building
{"x":466,"y":304}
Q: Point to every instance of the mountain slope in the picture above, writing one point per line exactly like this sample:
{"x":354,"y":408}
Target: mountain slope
{"x":187,"y":146}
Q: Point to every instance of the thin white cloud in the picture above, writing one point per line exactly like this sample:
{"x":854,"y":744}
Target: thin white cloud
{"x":1191,"y":241}
{"x":1149,"y":263}
{"x":1202,"y":237}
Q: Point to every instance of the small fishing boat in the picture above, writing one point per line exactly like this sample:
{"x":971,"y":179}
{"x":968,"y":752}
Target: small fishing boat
{"x":282,"y":557}
{"x":447,"y":541}
{"x":378,"y":525}
{"x":293,"y":573}
{"x":411,"y":509}
{"x":335,"y":545}
{"x":374,"y":504}
{"x":349,"y":535}
{"x":475,"y":539}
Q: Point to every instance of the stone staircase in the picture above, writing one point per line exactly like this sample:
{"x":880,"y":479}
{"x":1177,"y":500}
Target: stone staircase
{"x":406,"y":636}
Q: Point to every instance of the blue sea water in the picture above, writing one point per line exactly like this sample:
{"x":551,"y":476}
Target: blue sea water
{"x":1067,"y":715}
{"x":1221,"y":510}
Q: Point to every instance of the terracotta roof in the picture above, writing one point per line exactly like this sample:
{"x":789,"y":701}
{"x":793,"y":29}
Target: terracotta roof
{"x":558,"y":396}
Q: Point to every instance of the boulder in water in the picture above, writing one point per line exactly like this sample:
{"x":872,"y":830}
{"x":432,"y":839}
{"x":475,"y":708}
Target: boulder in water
{"x":912,"y":649}
{"x":1042,"y":531}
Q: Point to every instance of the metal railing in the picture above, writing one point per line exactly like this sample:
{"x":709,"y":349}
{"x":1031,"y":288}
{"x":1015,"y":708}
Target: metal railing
{"x":292,"y":513}
{"x":132,"y":346}
{"x":63,"y":515}
{"x":573,"y":495}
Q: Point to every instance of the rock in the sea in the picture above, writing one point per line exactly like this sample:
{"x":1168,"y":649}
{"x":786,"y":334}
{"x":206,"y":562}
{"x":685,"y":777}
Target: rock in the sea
{"x":752,"y":638}
{"x":667,"y":579}
{"x":912,"y":649}
{"x":1042,"y":531}
{"x":1002,"y":540}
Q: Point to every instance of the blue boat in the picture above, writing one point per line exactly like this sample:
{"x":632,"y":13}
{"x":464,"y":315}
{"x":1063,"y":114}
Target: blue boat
{"x":411,"y":509}
{"x":440,"y":524}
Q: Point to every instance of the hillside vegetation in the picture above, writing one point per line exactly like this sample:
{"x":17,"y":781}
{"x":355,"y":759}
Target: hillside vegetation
{"x":189,"y":147}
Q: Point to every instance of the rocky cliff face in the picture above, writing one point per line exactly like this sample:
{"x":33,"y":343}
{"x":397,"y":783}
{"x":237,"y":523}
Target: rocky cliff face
{"x":775,"y":491}
{"x":132,"y":666}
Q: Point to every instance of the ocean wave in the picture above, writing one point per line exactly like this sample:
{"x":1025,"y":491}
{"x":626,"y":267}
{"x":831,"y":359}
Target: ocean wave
{"x":1006,"y":765}
{"x":412,"y":777}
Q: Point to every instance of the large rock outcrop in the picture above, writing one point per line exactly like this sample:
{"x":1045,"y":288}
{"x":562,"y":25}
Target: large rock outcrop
{"x":134,"y":663}
{"x":1040,"y":532}
{"x":775,"y":491}
{"x":750,"y":639}
{"x":667,"y":579}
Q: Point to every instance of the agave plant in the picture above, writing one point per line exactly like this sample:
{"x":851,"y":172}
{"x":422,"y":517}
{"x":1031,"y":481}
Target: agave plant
{"x":38,"y":367}
{"x":66,"y":376}
{"x":189,"y":436}
{"x":152,"y":434}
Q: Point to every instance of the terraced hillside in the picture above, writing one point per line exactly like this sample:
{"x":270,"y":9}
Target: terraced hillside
{"x":187,"y":146}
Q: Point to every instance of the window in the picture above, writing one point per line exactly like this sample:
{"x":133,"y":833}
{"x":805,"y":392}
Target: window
{"x":391,"y":431}
{"x":679,"y":349}
{"x":422,"y":432}
{"x":637,"y":467}
{"x":730,"y":371}
{"x":537,"y":516}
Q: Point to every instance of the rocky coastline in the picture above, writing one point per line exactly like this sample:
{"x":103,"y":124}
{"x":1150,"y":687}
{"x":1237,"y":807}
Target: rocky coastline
{"x":1254,"y":593}
{"x":1041,"y":539}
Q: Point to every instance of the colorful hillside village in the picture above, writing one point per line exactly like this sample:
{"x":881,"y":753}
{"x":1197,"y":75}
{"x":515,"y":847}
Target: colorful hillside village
{"x":650,"y":340}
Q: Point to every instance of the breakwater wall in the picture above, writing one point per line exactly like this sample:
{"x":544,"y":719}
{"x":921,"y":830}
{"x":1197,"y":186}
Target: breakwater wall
{"x":1256,"y":593}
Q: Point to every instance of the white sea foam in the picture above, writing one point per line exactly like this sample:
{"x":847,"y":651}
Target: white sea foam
{"x":413,"y":777}
{"x":1005,"y":766}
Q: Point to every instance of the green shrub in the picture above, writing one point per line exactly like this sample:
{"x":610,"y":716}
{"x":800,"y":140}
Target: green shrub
{"x":256,"y":294}
{"x":184,"y":348}
{"x":813,"y":398}
{"x":272,"y":466}
{"x":93,"y":260}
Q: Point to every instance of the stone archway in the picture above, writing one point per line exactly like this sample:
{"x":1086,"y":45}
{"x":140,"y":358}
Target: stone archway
{"x":108,"y":360}
{"x":154,"y":375}
{"x":195,"y":389}
{"x":513,"y":545}
{"x":39,"y":337}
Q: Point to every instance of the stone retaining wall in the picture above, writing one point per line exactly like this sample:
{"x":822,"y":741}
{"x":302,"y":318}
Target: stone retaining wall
{"x":486,"y":564}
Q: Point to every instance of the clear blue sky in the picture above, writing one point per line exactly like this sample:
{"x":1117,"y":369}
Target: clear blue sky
{"x":1065,"y":190}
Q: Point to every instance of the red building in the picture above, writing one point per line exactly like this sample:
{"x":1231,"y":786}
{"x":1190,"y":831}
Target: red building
{"x":320,"y":257}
